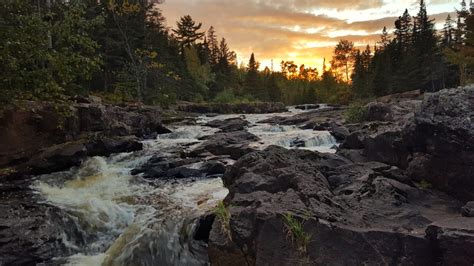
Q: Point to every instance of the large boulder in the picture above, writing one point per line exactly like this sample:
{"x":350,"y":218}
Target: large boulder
{"x":353,"y":213}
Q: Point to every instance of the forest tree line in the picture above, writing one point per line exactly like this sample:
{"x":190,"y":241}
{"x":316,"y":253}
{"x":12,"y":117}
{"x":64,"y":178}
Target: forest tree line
{"x":124,"y":51}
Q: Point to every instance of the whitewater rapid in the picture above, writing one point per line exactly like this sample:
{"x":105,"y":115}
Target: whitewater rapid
{"x":126,"y":220}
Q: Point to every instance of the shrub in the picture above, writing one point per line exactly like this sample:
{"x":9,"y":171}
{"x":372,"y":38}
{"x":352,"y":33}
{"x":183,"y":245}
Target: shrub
{"x":356,"y":113}
{"x":227,"y":96}
{"x":295,"y":231}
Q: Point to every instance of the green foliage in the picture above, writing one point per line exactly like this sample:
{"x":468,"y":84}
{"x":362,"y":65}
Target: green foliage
{"x":227,"y":96}
{"x":223,"y":215}
{"x":356,"y":113}
{"x":295,"y":231}
{"x":201,"y":73}
{"x":424,"y":184}
{"x":45,"y":59}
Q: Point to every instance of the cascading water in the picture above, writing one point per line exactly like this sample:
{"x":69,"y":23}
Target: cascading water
{"x":127,"y":220}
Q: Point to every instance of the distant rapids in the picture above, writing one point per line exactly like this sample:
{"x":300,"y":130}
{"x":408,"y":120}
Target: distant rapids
{"x":127,"y":220}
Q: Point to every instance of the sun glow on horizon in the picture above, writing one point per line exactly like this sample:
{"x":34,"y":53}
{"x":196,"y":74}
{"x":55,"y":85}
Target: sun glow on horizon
{"x":301,"y":31}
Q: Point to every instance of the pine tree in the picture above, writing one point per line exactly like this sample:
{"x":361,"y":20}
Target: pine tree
{"x":426,"y":51}
{"x":252,"y":86}
{"x":187,"y":32}
{"x":448,"y":32}
{"x":213,"y":46}
{"x":461,"y":23}
{"x":403,"y":30}
{"x":384,"y":38}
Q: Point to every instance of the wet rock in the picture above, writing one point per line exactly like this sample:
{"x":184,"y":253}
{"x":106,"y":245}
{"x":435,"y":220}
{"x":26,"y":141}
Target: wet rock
{"x":229,"y":125}
{"x":339,"y":203}
{"x":214,"y":167}
{"x":306,"y":107}
{"x":203,"y":227}
{"x":339,"y":132}
{"x":234,"y":144}
{"x":297,"y":143}
{"x":32,"y":233}
{"x":468,"y":209}
{"x":64,"y":156}
{"x":310,"y":119}
{"x":165,"y":168}
{"x":239,"y":108}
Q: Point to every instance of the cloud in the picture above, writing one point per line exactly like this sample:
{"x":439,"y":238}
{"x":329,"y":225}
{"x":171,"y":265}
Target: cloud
{"x":301,"y":30}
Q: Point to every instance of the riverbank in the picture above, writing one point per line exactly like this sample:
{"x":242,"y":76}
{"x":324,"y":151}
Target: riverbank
{"x":392,"y":194}
{"x":298,"y":187}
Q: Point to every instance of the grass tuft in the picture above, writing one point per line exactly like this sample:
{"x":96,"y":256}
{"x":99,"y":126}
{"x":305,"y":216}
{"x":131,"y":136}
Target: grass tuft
{"x":295,"y":231}
{"x":424,"y":184}
{"x":223,"y":215}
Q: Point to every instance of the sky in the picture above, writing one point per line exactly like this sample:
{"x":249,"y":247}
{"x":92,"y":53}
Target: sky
{"x":304,"y":31}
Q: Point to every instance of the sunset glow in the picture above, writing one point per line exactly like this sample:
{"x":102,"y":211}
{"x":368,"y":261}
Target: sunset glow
{"x":304,"y":31}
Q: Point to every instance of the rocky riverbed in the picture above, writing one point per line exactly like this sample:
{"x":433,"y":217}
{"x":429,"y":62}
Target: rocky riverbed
{"x":299,"y":187}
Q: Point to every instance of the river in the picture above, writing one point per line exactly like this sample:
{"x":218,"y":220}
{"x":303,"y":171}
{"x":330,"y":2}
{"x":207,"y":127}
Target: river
{"x":122,"y":219}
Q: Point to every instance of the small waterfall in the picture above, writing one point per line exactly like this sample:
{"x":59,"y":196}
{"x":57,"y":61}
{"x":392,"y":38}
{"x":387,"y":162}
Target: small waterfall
{"x":292,"y":137}
{"x":124,"y":220}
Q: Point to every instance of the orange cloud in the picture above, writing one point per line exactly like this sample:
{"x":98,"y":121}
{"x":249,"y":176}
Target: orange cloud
{"x":304,"y":31}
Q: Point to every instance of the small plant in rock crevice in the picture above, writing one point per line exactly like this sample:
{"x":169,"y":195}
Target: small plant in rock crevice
{"x":295,"y":232}
{"x":424,"y":184}
{"x":223,"y":215}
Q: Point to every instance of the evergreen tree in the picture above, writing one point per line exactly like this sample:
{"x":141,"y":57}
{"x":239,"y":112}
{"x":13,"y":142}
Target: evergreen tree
{"x":187,"y":32}
{"x":273,"y":89}
{"x":384,"y":38}
{"x":403,"y":31}
{"x":213,"y":46}
{"x":252,"y":86}
{"x":448,"y":32}
{"x":461,"y":23}
{"x":426,"y":50}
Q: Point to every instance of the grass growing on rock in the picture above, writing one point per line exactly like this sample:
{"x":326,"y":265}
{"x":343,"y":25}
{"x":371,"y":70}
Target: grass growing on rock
{"x":223,"y":215}
{"x":295,"y":231}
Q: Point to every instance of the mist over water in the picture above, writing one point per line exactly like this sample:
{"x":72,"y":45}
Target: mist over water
{"x":126,"y":220}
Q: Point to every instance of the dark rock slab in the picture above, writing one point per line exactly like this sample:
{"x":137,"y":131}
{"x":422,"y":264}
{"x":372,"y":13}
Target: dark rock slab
{"x":356,"y":213}
{"x":234,"y":144}
{"x":229,"y":125}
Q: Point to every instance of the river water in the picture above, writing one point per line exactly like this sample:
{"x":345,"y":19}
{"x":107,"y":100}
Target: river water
{"x":126,"y":220}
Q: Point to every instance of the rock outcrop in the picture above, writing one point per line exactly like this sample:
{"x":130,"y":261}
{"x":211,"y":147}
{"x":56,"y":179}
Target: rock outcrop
{"x":354,"y":213}
{"x":41,"y":136}
{"x":395,"y":193}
